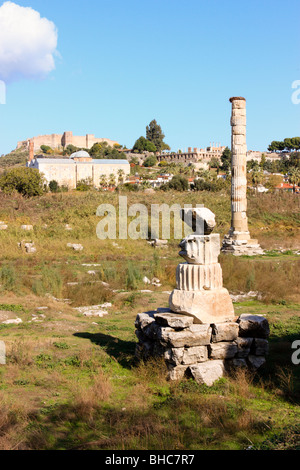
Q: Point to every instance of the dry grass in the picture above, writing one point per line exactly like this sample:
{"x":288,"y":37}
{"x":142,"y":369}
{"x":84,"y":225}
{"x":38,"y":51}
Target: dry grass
{"x":89,"y":400}
{"x":13,"y":420}
{"x":274,"y":279}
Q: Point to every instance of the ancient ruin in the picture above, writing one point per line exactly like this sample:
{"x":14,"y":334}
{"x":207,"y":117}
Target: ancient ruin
{"x":238,"y":241}
{"x":60,"y":141}
{"x":200,"y":336}
{"x":200,"y":292}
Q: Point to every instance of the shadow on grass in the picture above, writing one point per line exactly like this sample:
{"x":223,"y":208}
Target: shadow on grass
{"x":279,"y":370}
{"x":120,"y":350}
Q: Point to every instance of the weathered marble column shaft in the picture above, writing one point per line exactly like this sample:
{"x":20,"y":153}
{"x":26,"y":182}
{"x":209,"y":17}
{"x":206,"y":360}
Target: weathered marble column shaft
{"x":239,"y":241}
{"x":239,"y":221}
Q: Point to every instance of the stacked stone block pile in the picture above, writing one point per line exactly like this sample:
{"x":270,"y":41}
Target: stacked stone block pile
{"x":204,"y":351}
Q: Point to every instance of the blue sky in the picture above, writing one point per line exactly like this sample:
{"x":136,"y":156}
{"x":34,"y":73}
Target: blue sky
{"x":123,"y":63}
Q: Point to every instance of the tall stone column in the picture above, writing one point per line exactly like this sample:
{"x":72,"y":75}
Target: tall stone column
{"x":239,"y":222}
{"x":238,"y":241}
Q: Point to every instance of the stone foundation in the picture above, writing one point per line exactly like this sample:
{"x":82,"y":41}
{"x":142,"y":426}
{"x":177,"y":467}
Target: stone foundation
{"x":239,"y":247}
{"x":205,"y":352}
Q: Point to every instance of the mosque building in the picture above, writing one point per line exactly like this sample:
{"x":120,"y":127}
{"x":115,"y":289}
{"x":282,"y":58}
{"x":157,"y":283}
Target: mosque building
{"x":79,"y":166}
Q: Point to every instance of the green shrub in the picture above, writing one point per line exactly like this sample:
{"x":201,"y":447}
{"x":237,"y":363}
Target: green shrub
{"x":132,"y":277}
{"x":84,"y":185}
{"x":27,"y":181}
{"x":46,"y":149}
{"x":179,"y":183}
{"x":142,"y":145}
{"x":53,"y":186}
{"x":150,"y":161}
{"x":8,"y":277}
{"x":49,"y":283}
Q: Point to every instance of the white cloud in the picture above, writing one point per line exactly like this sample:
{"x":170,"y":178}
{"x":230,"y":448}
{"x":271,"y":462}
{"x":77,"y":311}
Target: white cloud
{"x":27,"y":43}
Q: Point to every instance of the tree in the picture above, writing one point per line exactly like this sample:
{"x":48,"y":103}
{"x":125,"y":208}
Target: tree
{"x":134,"y":160}
{"x":84,"y":184}
{"x":155,"y":135}
{"x":295,"y":160}
{"x":295,"y":141}
{"x":257,"y":176}
{"x":46,"y":149}
{"x":215,"y":163}
{"x":294,"y":177}
{"x":103,"y":181}
{"x":53,"y":186}
{"x":27,"y":181}
{"x":276,"y":146}
{"x":150,"y":161}
{"x":179,"y":183}
{"x":70,"y":149}
{"x":226,"y":159}
{"x":144,"y":145}
{"x":102,"y":150}
{"x":263,"y":161}
{"x":121,"y":175}
{"x":112,"y":180}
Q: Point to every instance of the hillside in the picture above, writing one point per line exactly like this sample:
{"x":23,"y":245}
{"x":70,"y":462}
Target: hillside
{"x":16,"y":157}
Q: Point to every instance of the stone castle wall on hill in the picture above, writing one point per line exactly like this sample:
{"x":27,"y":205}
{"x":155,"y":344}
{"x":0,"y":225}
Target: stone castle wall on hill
{"x":59,"y":141}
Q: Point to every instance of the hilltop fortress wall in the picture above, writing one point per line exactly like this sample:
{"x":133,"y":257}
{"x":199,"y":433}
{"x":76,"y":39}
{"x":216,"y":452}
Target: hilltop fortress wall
{"x":59,"y":141}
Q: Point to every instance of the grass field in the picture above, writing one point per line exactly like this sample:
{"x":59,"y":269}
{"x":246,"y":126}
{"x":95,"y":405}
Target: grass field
{"x":71,"y":382}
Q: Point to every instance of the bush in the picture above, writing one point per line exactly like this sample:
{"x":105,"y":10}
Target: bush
{"x":53,"y":186}
{"x":27,"y":181}
{"x":56,"y":188}
{"x":179,"y":183}
{"x":150,"y":161}
{"x":8,"y":277}
{"x":46,"y":149}
{"x":50,"y":282}
{"x":133,"y":277}
{"x":84,"y":185}
{"x":213,"y":185}
{"x":143,"y":145}
{"x":130,"y":187}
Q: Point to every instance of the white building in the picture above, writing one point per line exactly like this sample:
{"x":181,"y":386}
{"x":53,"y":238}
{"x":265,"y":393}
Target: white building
{"x":79,"y":166}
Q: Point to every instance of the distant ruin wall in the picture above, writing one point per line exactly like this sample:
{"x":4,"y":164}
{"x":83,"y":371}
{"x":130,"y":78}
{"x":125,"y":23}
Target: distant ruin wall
{"x":59,"y":141}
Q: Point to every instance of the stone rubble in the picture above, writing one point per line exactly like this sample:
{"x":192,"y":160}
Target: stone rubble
{"x":15,"y":321}
{"x":94,"y":310}
{"x":28,"y":247}
{"x":75,"y":246}
{"x":156,"y":243}
{"x":27,"y":228}
{"x":3,"y":226}
{"x":2,"y":353}
{"x":205,"y":352}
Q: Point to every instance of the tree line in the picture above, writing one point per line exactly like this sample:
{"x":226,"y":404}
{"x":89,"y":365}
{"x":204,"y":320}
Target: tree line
{"x":289,"y":144}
